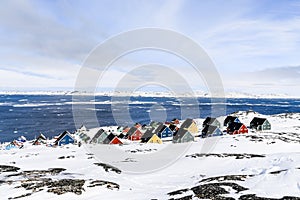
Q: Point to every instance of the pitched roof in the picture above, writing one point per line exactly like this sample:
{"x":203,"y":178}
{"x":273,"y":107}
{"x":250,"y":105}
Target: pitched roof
{"x":131,"y":131}
{"x":187,"y":123}
{"x":209,"y":129}
{"x":42,"y":137}
{"x":97,"y":135}
{"x":229,"y":119}
{"x":82,"y":128}
{"x":257,"y":121}
{"x":61,"y":136}
{"x":234,"y":126}
{"x":179,"y":133}
{"x":209,"y":120}
{"x":121,"y":135}
{"x":147,"y":135}
{"x":109,"y":138}
{"x":172,"y":127}
{"x":160,"y":128}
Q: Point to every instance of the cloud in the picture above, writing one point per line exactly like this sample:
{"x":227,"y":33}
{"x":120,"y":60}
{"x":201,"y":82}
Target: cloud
{"x":167,"y":15}
{"x":47,"y":41}
{"x":284,"y":80}
{"x":280,"y":75}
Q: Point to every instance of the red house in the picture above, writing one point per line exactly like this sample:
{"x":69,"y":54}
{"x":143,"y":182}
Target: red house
{"x":237,"y":128}
{"x":116,"y":140}
{"x":175,"y":121}
{"x":125,"y":130}
{"x":112,"y":139}
{"x":134,"y":134}
{"x":138,"y":125}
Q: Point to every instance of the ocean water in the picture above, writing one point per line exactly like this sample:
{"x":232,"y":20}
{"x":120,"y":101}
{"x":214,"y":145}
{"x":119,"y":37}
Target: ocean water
{"x":30,"y":115}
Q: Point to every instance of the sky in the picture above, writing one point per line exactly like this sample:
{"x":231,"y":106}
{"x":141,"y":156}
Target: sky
{"x":254,"y":45}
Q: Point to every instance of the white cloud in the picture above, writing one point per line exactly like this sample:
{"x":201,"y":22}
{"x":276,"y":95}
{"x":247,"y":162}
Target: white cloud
{"x":46,"y":42}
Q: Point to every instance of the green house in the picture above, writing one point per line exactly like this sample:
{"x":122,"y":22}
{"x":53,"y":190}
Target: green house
{"x":99,"y":137}
{"x":211,"y":121}
{"x":260,"y":124}
{"x":182,"y":136}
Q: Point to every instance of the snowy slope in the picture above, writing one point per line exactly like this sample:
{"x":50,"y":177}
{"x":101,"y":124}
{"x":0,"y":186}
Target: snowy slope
{"x":269,"y":161}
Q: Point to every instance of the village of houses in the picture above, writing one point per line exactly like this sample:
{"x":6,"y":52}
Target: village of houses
{"x":175,"y":131}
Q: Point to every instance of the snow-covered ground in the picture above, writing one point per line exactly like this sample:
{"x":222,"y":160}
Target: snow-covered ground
{"x":266,"y":164}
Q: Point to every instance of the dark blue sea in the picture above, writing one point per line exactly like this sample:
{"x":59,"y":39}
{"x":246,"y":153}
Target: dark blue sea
{"x":30,"y":115}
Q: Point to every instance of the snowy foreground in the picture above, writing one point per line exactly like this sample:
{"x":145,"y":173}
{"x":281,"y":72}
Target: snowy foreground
{"x":248,"y":166}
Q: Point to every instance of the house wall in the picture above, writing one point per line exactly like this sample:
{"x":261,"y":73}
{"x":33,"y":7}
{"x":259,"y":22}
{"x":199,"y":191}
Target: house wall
{"x":136,"y":136}
{"x":243,"y":129}
{"x":101,"y":138}
{"x":193,"y":128}
{"x":266,"y":125}
{"x":66,"y":140}
{"x":217,"y":132}
{"x":216,"y":123}
{"x":166,"y":133}
{"x":155,"y":139}
{"x":188,"y":137}
{"x":115,"y":141}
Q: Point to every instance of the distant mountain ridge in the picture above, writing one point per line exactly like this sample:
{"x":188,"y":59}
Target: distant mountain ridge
{"x":149,"y":94}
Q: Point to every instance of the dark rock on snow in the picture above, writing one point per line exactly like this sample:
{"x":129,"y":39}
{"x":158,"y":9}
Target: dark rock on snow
{"x":7,"y":168}
{"x":108,"y":167}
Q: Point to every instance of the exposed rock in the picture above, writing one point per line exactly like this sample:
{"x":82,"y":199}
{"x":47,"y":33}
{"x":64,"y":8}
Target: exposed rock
{"x":129,"y":160}
{"x":140,"y":150}
{"x":227,"y":178}
{"x":38,"y":173}
{"x":214,"y":190}
{"x":224,"y":155}
{"x":37,"y":180}
{"x":108,"y":167}
{"x":278,"y":172}
{"x":7,"y":168}
{"x":189,"y":197}
{"x":21,"y":196}
{"x":178,"y":192}
{"x":108,"y":184}
{"x":64,"y":157}
{"x":66,"y":185}
{"x":254,"y":197}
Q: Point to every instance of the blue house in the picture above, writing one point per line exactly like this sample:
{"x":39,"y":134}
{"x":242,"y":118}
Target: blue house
{"x":11,"y":145}
{"x":163,"y":131}
{"x":64,"y":138}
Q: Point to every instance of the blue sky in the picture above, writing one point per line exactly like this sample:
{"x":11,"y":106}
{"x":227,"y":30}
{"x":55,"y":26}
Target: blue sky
{"x":255,"y":45}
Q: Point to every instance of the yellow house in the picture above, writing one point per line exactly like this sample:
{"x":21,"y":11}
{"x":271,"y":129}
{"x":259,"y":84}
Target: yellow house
{"x":155,"y":139}
{"x":190,"y":125}
{"x":193,"y":128}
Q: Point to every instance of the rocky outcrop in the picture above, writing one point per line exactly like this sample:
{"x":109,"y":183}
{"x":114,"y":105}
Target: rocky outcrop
{"x":224,"y":155}
{"x":108,"y":167}
{"x":7,"y":168}
{"x":39,"y":180}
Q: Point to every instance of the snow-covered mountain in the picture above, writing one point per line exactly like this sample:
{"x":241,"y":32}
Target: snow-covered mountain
{"x":149,"y":94}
